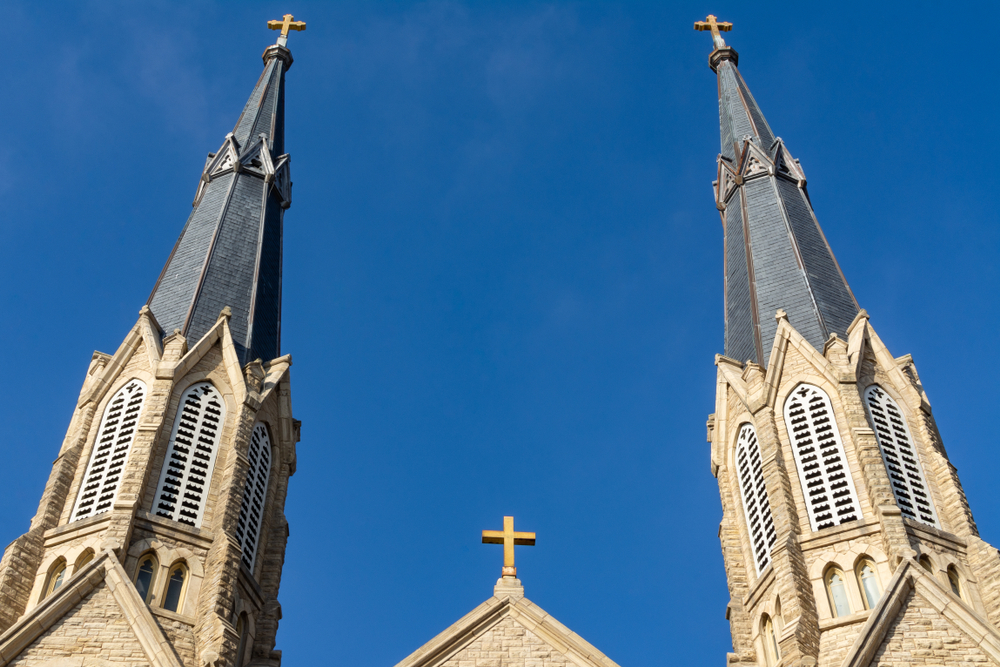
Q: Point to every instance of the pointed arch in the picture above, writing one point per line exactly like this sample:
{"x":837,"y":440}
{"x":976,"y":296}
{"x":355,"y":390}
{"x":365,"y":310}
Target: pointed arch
{"x":111,"y":449}
{"x":824,"y":473}
{"x":756,"y":507}
{"x":906,"y":475}
{"x":254,"y":493}
{"x":190,"y":459}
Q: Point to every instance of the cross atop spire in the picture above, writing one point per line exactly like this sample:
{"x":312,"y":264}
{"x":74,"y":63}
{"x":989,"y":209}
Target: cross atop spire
{"x":508,"y":538}
{"x":284,"y":25}
{"x":711,"y":24}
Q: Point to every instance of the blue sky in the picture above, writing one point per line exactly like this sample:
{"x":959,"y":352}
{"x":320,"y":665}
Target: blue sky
{"x":503,"y":273}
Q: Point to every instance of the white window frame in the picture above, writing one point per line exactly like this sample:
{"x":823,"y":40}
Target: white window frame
{"x":824,"y":471}
{"x":252,"y":508}
{"x":756,"y":506}
{"x":899,"y":454}
{"x":119,"y":425}
{"x":187,"y":505}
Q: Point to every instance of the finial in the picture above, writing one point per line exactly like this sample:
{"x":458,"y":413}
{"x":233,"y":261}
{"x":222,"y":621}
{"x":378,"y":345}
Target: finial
{"x":284,"y":26}
{"x":711,"y":24}
{"x":508,"y":538}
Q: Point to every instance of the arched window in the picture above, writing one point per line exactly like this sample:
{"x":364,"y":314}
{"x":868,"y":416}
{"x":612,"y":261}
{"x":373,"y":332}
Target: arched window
{"x":254,"y":493}
{"x":82,"y":561}
{"x":925,"y":563}
{"x":187,"y":468}
{"x":145,"y":576}
{"x":900,"y":457}
{"x":955,"y":581}
{"x":771,"y":650}
{"x":176,"y":579}
{"x":756,"y":507}
{"x":819,"y":457}
{"x":243,"y":630}
{"x":57,"y":575}
{"x":107,"y":460}
{"x":868,"y":582}
{"x":837,"y":592}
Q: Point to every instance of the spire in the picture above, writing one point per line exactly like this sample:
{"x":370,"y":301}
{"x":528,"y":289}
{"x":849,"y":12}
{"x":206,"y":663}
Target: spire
{"x":229,"y":252}
{"x":776,"y":256}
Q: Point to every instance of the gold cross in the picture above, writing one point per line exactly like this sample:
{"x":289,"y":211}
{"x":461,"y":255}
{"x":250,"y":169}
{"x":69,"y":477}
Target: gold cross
{"x":508,"y":538}
{"x":711,"y":24}
{"x":284,"y":26}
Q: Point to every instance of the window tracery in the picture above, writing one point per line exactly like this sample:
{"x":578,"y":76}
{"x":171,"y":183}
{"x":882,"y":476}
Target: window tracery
{"x":827,"y":486}
{"x":111,"y":449}
{"x":190,"y":459}
{"x":756,"y":507}
{"x":254,"y":493}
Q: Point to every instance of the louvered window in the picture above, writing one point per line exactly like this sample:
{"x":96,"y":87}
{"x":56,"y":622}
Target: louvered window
{"x":254,"y":493}
{"x":107,"y":462}
{"x":819,"y":457}
{"x":900,"y":457}
{"x":187,"y":468}
{"x":756,"y":507}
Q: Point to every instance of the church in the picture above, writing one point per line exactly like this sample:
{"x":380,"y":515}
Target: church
{"x":160,"y":537}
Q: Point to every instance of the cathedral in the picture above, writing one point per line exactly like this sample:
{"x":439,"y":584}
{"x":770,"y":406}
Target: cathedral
{"x":160,"y":536}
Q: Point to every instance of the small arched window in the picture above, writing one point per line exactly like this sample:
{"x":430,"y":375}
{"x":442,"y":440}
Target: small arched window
{"x":955,"y":581}
{"x":819,"y":458}
{"x":868,"y":582}
{"x":771,"y":650}
{"x":145,"y":576}
{"x":243,"y":630}
{"x":756,"y":507}
{"x":254,"y":493}
{"x":900,"y":457}
{"x":107,"y":460}
{"x":925,"y":563}
{"x":176,"y":579}
{"x":57,"y":575}
{"x":837,"y":592}
{"x":187,"y":467}
{"x":82,"y":561}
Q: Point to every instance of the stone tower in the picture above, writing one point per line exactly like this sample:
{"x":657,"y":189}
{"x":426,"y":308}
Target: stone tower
{"x":160,"y":536}
{"x":846,"y":536}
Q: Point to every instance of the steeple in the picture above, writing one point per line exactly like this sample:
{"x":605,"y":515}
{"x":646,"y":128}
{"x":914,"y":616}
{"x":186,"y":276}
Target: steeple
{"x":776,"y":256}
{"x":229,"y":252}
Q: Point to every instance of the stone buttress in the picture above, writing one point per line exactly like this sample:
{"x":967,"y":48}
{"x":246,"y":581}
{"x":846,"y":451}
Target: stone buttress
{"x":160,"y":536}
{"x":846,"y":536}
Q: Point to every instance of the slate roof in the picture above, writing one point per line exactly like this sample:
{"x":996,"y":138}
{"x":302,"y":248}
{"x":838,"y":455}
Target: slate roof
{"x":229,"y":252}
{"x":776,"y":256}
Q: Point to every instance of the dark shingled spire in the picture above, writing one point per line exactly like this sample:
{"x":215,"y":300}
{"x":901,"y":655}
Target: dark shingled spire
{"x":229,"y":252}
{"x":776,"y":256}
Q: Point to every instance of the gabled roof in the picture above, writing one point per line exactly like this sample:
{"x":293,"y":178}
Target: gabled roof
{"x":910,"y":577}
{"x":103,"y":572}
{"x":526,"y":629}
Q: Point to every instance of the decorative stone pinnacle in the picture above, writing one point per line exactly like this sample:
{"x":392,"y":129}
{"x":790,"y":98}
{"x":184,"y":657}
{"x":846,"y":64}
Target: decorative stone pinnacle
{"x":508,"y":538}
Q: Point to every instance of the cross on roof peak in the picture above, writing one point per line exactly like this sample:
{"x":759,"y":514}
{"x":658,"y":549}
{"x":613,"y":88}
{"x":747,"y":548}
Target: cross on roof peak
{"x":284,"y":25}
{"x":710,"y":23}
{"x":508,"y":538}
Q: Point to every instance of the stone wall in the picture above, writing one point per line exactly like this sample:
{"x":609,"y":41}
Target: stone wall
{"x":508,"y":644}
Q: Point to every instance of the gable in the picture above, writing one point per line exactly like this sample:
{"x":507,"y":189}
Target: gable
{"x":921,"y":635}
{"x":510,"y":644}
{"x":94,"y":628}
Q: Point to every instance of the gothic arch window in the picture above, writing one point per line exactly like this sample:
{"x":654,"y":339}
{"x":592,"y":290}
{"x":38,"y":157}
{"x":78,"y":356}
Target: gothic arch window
{"x":187,"y":467}
{"x":900,"y":457}
{"x":827,"y":486}
{"x":772,"y":652}
{"x":82,"y":561}
{"x":107,"y":460}
{"x":871,"y":589}
{"x":57,"y":575}
{"x":176,"y":580}
{"x":925,"y":563}
{"x":254,"y":493}
{"x":145,"y":576}
{"x":955,"y":581}
{"x":836,"y":590}
{"x":243,"y":630}
{"x":756,"y":508}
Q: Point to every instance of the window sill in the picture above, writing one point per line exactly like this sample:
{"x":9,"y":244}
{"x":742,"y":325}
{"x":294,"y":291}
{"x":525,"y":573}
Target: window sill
{"x":172,"y":616}
{"x":840,"y":621}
